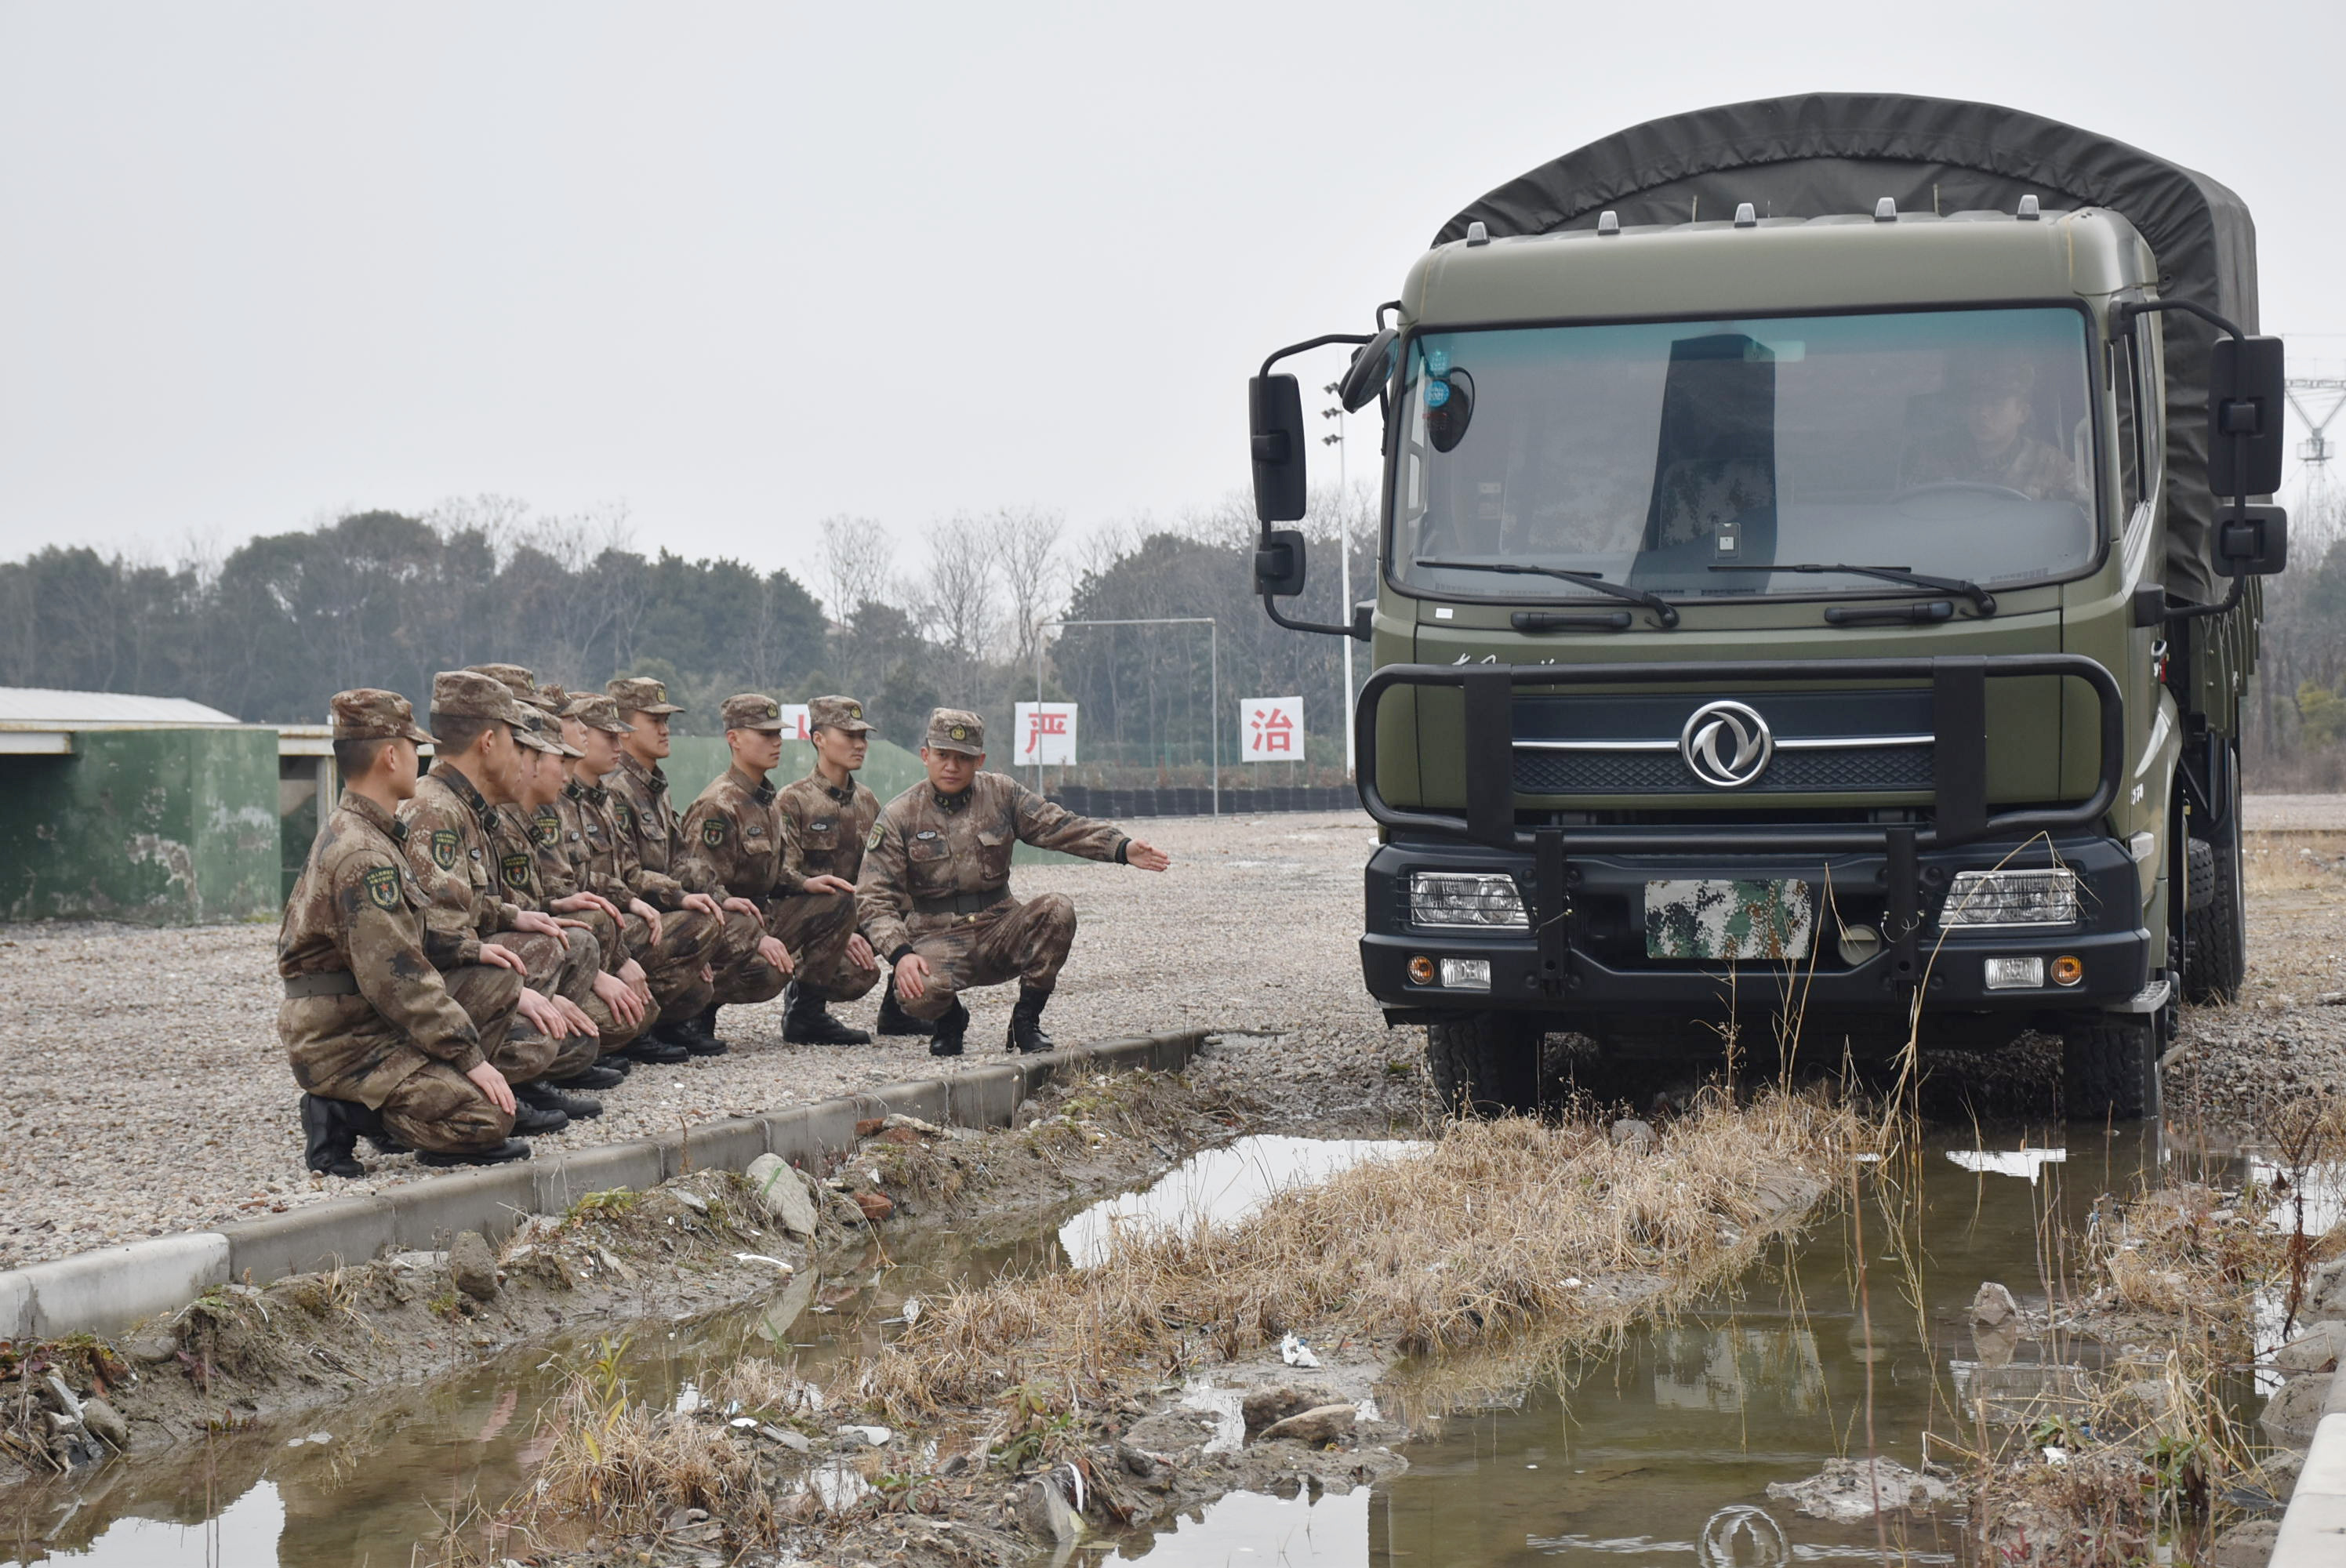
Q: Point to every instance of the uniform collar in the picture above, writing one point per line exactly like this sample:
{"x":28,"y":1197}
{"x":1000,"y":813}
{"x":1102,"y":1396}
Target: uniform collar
{"x":456,"y":784}
{"x":373,"y":816}
{"x":844,"y":797}
{"x":647,"y":774}
{"x":761,"y":788}
{"x":944,"y":802}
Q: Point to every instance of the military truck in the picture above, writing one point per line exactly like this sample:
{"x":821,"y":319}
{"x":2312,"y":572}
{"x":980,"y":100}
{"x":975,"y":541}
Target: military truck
{"x":1817,"y":589}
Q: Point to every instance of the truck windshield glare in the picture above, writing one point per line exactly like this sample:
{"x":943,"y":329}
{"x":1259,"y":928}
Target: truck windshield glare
{"x":1686,"y":458}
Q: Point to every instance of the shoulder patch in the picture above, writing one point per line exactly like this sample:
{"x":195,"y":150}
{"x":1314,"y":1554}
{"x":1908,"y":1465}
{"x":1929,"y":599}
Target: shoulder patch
{"x":516,"y":870}
{"x":382,"y":887}
{"x":444,"y":848}
{"x":712,"y":830}
{"x":546,"y":828}
{"x":626,"y":815}
{"x":879,"y":831}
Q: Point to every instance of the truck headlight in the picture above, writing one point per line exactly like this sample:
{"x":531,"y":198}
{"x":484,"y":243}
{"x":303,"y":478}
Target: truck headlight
{"x":1466,"y":899}
{"x":2011,"y":898}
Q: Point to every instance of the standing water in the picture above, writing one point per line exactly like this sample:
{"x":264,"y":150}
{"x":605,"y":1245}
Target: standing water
{"x":1658,"y":1451}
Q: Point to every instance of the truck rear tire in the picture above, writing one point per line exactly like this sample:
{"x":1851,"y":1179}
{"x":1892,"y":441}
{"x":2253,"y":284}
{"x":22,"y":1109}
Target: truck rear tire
{"x":2109,"y":1068}
{"x":1485,"y":1065}
{"x":2216,"y":935}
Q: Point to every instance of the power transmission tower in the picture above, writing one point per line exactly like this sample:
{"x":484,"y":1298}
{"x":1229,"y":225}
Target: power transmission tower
{"x":2329,"y":393}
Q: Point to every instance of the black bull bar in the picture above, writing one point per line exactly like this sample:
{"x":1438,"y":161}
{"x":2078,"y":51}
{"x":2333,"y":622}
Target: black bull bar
{"x":1959,"y":774}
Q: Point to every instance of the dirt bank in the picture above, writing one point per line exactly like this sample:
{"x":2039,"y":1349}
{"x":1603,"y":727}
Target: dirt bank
{"x":1037,"y":1408}
{"x":692,"y":1246}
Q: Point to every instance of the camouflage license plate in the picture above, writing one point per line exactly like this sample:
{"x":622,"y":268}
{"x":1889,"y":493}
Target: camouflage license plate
{"x":1759,"y":920}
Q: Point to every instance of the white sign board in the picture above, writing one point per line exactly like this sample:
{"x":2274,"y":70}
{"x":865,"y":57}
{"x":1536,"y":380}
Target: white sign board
{"x":1270,"y":729}
{"x":1046,"y":734}
{"x":794,"y":722}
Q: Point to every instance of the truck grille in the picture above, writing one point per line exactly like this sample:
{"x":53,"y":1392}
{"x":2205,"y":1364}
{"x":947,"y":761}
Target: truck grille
{"x":1833,"y":770}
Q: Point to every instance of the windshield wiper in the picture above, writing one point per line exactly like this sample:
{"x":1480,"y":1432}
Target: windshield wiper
{"x":1982,"y":600}
{"x":1664,"y":611}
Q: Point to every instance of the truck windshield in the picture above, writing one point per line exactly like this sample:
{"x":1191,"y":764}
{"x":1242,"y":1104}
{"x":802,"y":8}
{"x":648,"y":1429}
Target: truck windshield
{"x":1686,"y":458}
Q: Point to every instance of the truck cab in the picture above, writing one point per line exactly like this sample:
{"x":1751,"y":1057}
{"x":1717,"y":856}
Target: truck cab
{"x":1784,"y":632}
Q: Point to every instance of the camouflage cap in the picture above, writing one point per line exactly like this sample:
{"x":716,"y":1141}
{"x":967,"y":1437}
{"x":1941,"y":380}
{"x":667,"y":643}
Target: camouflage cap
{"x":956,"y":729}
{"x":640,"y":693}
{"x":598,"y":712}
{"x":550,"y":699}
{"x":469,"y":694}
{"x":370,"y":713}
{"x":545,"y":730}
{"x":752,"y":710}
{"x":836,"y":713}
{"x":513,"y":678}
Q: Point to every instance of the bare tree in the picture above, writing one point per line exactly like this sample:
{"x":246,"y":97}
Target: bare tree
{"x":855,"y":566}
{"x":1025,"y":541}
{"x":961,"y":600}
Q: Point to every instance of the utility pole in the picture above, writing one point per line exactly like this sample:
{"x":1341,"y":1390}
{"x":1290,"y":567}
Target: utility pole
{"x":1343,"y":555}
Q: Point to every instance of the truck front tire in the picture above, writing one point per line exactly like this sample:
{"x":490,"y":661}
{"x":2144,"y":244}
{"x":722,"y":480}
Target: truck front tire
{"x":1485,"y":1065}
{"x":2215,"y":935}
{"x":2109,"y":1068}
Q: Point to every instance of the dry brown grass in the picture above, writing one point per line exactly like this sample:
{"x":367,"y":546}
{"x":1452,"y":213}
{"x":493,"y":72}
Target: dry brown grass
{"x":2292,"y":862}
{"x":1498,"y":1229}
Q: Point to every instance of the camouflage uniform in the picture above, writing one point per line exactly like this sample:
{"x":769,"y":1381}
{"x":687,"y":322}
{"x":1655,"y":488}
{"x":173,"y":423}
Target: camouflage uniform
{"x":731,"y":839}
{"x":648,"y":819}
{"x":515,"y":845}
{"x":449,"y":853}
{"x":937,"y":880}
{"x":367,"y":1017}
{"x":823,"y":829}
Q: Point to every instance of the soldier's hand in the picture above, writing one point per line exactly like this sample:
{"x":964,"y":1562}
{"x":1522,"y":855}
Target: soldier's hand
{"x":497,"y":957}
{"x":744,"y":906}
{"x":771,"y":950}
{"x":492,"y":1083}
{"x":1148,"y":856}
{"x":538,"y":922}
{"x":705,"y":904}
{"x":912,"y":976}
{"x":574,"y":1015}
{"x":647,"y":914}
{"x":620,"y":998}
{"x":541,"y":1014}
{"x":827,"y":883}
{"x":860,"y":953}
{"x":583,"y":900}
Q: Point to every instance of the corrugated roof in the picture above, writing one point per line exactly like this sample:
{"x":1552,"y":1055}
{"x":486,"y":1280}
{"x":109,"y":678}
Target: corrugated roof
{"x":24,"y":705}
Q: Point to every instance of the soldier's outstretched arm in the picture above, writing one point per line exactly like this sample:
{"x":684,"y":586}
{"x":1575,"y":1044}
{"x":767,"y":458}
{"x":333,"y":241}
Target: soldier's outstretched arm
{"x":1048,"y":825}
{"x":388,"y":961}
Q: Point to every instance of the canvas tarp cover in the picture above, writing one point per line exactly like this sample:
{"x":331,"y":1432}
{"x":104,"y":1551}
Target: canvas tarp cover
{"x":1822,"y":153}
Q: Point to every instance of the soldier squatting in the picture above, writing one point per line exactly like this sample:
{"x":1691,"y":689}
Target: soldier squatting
{"x":471,"y":954}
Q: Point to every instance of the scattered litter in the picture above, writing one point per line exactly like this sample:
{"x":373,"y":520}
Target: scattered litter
{"x":761,"y":1257}
{"x":689,"y":1401}
{"x":1296,"y":1354}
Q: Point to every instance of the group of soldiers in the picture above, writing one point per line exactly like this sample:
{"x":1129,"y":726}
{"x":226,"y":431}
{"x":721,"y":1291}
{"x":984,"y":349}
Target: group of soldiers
{"x":472,"y":953}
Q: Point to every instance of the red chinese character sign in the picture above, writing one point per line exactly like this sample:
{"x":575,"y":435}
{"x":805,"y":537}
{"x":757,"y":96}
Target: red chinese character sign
{"x":1045,"y":734}
{"x":1270,"y":729}
{"x":794,"y":722}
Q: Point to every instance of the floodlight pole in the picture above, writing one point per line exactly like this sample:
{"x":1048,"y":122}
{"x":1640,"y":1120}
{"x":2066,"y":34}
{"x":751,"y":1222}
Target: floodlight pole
{"x":1214,"y":664}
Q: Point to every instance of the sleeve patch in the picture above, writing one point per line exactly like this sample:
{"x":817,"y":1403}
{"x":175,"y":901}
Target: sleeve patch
{"x":382,"y":887}
{"x":879,"y":831}
{"x":444,"y":848}
{"x":516,"y":870}
{"x":712,"y":831}
{"x":547,"y":828}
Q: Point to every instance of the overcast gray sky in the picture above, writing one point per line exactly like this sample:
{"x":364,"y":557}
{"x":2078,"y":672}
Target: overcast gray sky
{"x":743,"y":265}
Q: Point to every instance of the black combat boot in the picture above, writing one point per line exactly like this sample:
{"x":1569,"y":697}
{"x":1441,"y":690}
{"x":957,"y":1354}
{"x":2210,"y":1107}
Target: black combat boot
{"x":1026,"y":1021}
{"x":333,"y":1135}
{"x":893,"y":1019}
{"x":699,"y":1035}
{"x":655,"y":1048}
{"x":807,"y":1021}
{"x":545,"y":1096}
{"x":510,"y":1150}
{"x":532,"y":1121}
{"x":945,"y":1033}
{"x":586,"y":1080}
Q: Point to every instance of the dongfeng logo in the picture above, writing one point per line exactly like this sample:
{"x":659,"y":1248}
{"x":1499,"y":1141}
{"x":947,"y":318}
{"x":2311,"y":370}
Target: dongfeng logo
{"x":1726,"y":745}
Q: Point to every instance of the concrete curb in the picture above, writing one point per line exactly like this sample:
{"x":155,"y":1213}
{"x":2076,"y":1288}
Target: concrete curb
{"x":2313,"y":1529}
{"x":107,"y":1290}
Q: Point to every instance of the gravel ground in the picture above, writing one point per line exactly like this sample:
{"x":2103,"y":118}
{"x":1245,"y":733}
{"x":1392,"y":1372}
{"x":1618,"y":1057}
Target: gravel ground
{"x":143,"y":1089}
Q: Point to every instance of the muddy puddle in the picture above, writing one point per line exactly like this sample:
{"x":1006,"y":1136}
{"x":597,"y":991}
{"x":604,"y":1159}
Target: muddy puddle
{"x":1659,"y":1452}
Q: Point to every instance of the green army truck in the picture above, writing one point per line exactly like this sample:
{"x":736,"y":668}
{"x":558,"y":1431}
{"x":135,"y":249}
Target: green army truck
{"x":1816,"y":592}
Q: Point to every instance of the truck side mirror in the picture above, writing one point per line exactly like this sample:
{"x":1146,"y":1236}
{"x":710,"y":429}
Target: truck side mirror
{"x":1371,"y":367}
{"x":2247,"y":391}
{"x":1279,"y":562}
{"x":2251,"y":542}
{"x":1275,"y":424}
